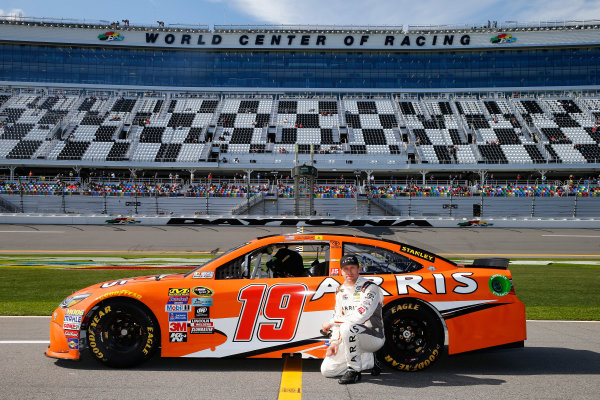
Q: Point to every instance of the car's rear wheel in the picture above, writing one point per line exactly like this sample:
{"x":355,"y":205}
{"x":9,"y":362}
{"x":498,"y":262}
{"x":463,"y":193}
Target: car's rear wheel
{"x":414,"y":336}
{"x":122,"y":334}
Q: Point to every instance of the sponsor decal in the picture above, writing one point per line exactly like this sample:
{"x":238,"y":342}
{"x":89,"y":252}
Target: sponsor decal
{"x":69,"y":333}
{"x":72,"y":318}
{"x":111,"y":36}
{"x":179,"y":291}
{"x":202,"y":301}
{"x":298,"y":221}
{"x":200,"y":322}
{"x":73,"y":343}
{"x":503,"y":38}
{"x":177,"y":307}
{"x":336,"y":244}
{"x":178,"y":299}
{"x":74,"y":312}
{"x":417,"y":253}
{"x":178,"y":316}
{"x":178,"y":326}
{"x":499,"y":285}
{"x":72,"y":322}
{"x":123,"y":292}
{"x":318,"y":237}
{"x":203,"y":275}
{"x":335,"y":272}
{"x":177,"y":337}
{"x":202,"y":312}
{"x":203,"y":291}
{"x":202,"y":330}
{"x":361,"y":310}
{"x":464,"y":284}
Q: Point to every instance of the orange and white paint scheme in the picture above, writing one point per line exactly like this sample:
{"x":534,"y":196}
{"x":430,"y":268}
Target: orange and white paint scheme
{"x":269,"y":297}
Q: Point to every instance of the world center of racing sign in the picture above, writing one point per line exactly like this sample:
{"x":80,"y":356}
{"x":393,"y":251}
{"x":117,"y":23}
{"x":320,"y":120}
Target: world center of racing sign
{"x":298,"y":40}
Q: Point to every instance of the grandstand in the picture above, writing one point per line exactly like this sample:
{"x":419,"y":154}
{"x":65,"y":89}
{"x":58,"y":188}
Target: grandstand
{"x":367,"y":102}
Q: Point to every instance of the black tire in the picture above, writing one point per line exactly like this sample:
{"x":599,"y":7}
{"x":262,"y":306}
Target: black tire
{"x":414,"y":336}
{"x":122,"y":334}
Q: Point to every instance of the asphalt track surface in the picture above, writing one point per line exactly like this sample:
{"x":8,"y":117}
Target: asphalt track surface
{"x":560,"y":360}
{"x":469,"y":242}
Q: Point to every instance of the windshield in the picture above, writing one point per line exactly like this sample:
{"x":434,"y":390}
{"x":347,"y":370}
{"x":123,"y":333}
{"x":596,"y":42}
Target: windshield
{"x":216,"y":258}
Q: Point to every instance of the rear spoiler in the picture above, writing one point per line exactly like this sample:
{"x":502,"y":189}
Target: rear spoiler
{"x":494,"y":263}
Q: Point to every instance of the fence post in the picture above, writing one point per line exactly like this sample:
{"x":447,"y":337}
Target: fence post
{"x":533,"y":205}
{"x":21,"y":195}
{"x":575,"y":207}
{"x":64,"y":206}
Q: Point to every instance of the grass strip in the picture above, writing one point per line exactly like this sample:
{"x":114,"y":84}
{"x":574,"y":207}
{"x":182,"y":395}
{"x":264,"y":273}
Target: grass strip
{"x":560,"y":291}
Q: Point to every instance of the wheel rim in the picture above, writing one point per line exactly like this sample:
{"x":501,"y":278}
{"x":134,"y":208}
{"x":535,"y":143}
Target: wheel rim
{"x":122,"y":334}
{"x":411,"y":338}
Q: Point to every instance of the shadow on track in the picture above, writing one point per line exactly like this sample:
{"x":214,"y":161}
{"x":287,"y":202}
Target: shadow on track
{"x":460,"y":370}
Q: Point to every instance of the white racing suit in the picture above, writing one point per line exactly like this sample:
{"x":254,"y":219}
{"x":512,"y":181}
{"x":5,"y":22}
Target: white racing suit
{"x":358,"y":328}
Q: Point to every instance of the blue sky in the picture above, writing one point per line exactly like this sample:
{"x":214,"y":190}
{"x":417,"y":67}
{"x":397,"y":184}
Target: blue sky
{"x":308,"y":12}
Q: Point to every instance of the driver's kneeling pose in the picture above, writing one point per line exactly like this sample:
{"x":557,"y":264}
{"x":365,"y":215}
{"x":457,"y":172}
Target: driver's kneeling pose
{"x":356,"y":327}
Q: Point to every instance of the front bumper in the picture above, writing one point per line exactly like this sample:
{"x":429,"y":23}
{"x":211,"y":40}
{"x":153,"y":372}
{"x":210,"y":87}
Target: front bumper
{"x":61,"y":346}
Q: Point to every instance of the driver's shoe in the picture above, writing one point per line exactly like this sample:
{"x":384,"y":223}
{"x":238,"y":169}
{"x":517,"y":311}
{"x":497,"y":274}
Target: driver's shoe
{"x":351,"y":376}
{"x":376,"y":370}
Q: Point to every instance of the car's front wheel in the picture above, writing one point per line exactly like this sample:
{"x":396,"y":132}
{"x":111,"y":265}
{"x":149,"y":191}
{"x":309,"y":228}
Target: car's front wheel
{"x":414,"y":336}
{"x":122,"y":333}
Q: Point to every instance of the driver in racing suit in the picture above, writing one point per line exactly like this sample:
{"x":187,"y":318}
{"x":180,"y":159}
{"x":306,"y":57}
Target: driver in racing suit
{"x":356,"y":327}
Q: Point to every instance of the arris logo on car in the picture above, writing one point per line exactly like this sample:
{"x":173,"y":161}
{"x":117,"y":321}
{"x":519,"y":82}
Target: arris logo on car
{"x":203,"y":291}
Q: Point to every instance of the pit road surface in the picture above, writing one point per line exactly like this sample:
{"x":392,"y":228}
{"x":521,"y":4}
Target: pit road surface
{"x":560,"y":360}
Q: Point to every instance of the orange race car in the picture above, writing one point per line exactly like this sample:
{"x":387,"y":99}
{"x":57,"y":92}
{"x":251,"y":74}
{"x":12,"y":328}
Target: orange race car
{"x":269,"y":297}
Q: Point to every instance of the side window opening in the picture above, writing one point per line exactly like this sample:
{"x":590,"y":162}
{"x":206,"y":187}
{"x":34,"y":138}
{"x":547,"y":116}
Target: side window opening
{"x":279,"y":260}
{"x":377,"y":260}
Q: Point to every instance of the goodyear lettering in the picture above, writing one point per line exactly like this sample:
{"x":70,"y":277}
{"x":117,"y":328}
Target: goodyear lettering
{"x":123,"y":292}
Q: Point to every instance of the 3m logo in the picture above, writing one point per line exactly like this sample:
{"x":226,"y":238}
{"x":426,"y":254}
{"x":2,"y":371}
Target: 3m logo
{"x":179,"y":291}
{"x":177,"y":326}
{"x":178,"y":337}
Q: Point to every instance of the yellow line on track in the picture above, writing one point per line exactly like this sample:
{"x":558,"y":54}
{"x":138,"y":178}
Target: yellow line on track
{"x":291,"y":379}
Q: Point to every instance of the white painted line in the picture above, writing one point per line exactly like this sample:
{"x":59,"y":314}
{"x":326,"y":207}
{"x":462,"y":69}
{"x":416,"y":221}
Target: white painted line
{"x":24,"y":342}
{"x":32,"y":231}
{"x":566,"y":322}
{"x":25,"y":316}
{"x":581,"y":236}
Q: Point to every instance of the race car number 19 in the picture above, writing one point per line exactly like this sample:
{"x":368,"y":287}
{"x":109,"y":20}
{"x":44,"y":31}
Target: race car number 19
{"x":280,"y":307}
